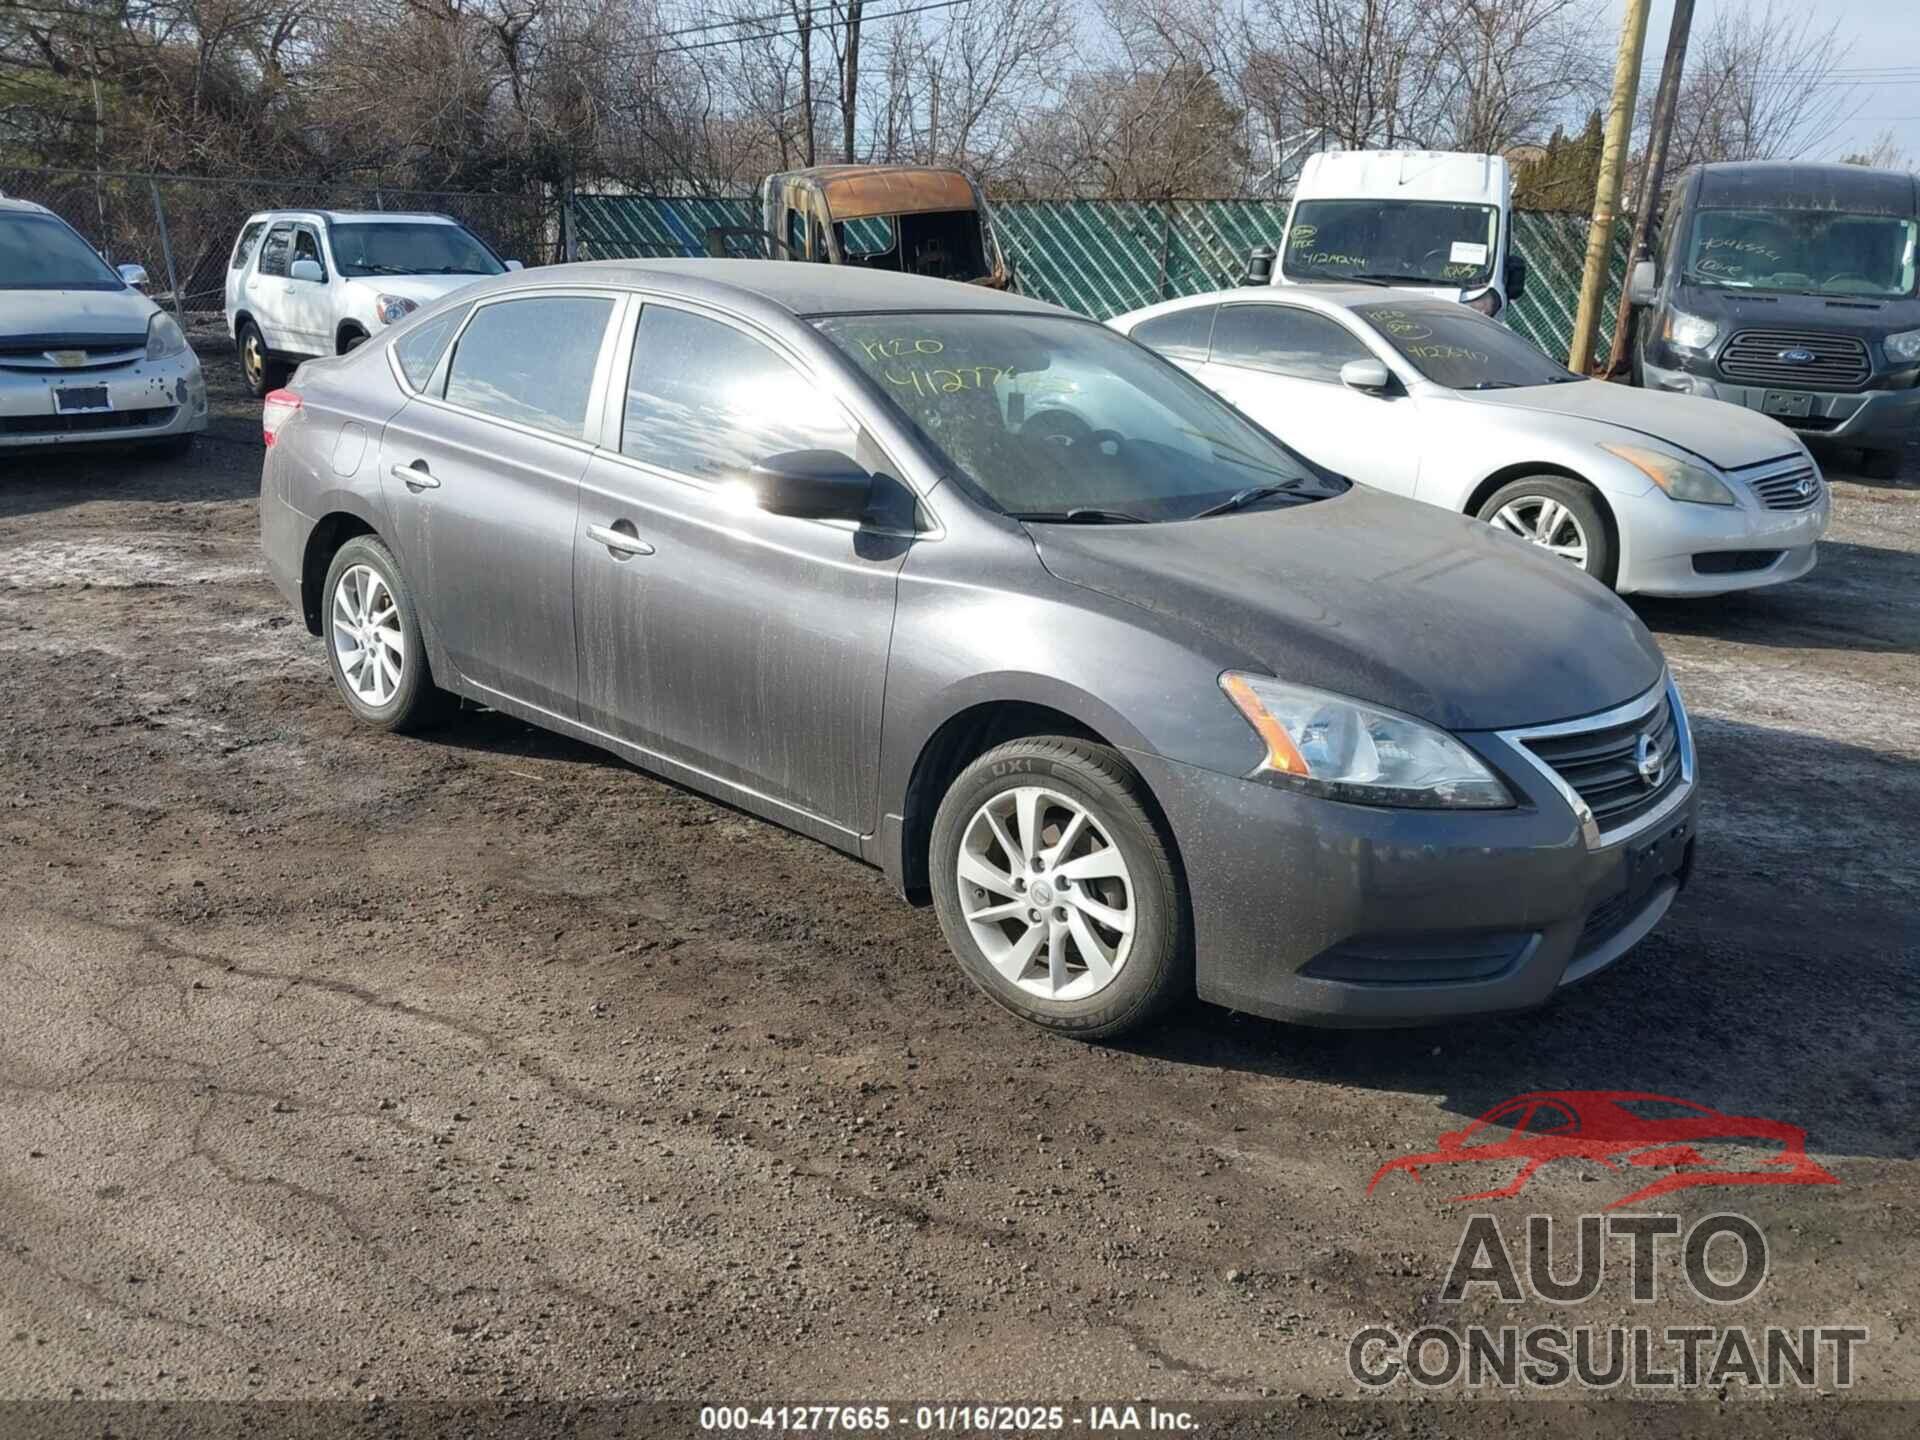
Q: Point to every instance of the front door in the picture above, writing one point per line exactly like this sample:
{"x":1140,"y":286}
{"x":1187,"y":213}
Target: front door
{"x":746,"y":646}
{"x":308,"y":315}
{"x":482,"y":481}
{"x":1281,"y":365}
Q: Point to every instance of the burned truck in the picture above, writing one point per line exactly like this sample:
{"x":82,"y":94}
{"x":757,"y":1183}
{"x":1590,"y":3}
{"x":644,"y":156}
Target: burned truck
{"x":908,"y":218}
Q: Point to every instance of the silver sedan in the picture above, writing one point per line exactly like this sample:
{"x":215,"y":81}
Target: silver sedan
{"x":84,"y":356}
{"x":1650,"y":493}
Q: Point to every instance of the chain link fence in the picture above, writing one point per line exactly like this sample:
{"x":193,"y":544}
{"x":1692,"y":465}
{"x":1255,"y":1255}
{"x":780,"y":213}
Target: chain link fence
{"x":181,"y":229}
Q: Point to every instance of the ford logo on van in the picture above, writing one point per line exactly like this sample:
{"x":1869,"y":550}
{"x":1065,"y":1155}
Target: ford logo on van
{"x":1798,"y":357}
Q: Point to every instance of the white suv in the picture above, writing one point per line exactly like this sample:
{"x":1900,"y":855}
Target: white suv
{"x":303,"y":283}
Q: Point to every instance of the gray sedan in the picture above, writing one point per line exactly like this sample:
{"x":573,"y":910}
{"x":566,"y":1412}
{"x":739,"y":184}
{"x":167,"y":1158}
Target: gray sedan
{"x":992,"y":598}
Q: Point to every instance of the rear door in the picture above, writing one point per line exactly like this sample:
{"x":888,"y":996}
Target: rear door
{"x":1281,"y":365}
{"x":749,"y":647}
{"x":481,"y":474}
{"x":237,"y":266}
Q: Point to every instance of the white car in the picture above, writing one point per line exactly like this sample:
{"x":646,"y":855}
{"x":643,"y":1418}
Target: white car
{"x":1651,"y":493}
{"x":84,"y":356}
{"x":304,"y":283}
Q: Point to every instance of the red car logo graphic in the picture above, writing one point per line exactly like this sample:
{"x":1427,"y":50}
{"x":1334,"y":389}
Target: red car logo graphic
{"x":1625,"y":1131}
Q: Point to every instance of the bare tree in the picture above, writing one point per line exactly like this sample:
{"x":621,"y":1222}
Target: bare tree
{"x":1761,"y":86}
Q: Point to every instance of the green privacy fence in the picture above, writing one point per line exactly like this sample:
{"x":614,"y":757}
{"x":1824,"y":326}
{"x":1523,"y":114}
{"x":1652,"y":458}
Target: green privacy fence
{"x":1104,"y":257}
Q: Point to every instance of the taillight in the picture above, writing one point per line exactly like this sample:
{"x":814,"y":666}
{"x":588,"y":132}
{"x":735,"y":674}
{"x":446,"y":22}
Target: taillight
{"x":279,"y":407}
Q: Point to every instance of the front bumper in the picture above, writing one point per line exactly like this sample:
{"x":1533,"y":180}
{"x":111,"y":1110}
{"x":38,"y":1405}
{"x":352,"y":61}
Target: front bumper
{"x":1672,"y":548}
{"x":1870,"y":419}
{"x":1344,"y":915}
{"x":146,"y":400}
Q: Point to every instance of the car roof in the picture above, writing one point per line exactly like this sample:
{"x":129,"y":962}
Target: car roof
{"x":790,"y":286}
{"x":356,"y":216}
{"x":7,"y":202}
{"x":1805,"y":185}
{"x":1311,"y":297}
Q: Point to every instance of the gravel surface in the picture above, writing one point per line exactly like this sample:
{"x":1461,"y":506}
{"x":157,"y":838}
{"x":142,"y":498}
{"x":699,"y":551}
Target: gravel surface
{"x":338,"y":1065}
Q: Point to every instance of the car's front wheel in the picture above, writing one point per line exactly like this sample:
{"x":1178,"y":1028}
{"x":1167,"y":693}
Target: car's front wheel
{"x":374,"y":646}
{"x":1058,"y":891}
{"x":1560,"y":515}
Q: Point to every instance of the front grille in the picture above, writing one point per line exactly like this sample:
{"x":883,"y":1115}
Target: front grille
{"x":1795,"y":489}
{"x":87,"y":423}
{"x":1734,"y":562}
{"x":1839,"y":361}
{"x":1602,"y":765}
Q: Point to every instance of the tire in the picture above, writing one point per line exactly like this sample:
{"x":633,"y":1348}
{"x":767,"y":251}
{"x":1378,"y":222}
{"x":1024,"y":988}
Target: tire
{"x":174,"y":447}
{"x":1579,"y":519}
{"x":351,"y":341}
{"x":1881,"y":464}
{"x":257,"y":366}
{"x":1148,"y":966}
{"x":412,"y":702}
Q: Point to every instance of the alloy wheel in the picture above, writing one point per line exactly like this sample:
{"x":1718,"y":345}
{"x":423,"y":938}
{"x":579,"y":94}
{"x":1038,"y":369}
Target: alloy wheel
{"x":1046,"y":893}
{"x":254,"y":362}
{"x":368,"y":641}
{"x":1547,"y":523}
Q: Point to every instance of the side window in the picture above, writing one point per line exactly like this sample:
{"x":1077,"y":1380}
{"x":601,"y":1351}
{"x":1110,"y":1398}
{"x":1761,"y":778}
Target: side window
{"x":243,"y":249}
{"x":418,"y":351}
{"x":1286,"y":341}
{"x":1183,"y":335}
{"x":274,"y":251}
{"x":709,"y":401}
{"x":306,"y":246}
{"x":796,"y":235}
{"x":531,"y":360}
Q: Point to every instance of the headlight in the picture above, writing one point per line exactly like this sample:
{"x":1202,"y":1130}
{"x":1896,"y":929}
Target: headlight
{"x":1904,"y":346}
{"x":1681,"y":480}
{"x":164,"y":337}
{"x":391,"y":308}
{"x":1336,"y":747}
{"x":1691,"y":332}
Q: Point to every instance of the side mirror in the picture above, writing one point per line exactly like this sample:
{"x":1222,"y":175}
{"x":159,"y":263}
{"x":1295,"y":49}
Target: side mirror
{"x":515,"y":265}
{"x":134,"y":275}
{"x":1365,"y":375}
{"x":812,"y":485}
{"x":1259,"y":266}
{"x":308,"y":270}
{"x":1642,"y":284}
{"x":1516,"y":277}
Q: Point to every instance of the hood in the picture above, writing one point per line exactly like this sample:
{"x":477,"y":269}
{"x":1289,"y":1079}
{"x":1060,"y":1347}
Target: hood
{"x":421,"y":289}
{"x":1862,"y":317}
{"x":52,"y":317}
{"x":1729,"y":436}
{"x":1381,"y":599}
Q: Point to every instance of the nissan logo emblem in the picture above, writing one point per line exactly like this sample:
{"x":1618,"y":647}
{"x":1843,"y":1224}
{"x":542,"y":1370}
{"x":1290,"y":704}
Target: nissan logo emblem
{"x":1646,"y":762}
{"x":1798,"y":357}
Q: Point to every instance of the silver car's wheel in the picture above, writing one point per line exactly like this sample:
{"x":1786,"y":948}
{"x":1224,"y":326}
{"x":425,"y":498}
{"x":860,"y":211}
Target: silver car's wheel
{"x":369,"y":641}
{"x":1046,"y":893}
{"x":1547,"y":523}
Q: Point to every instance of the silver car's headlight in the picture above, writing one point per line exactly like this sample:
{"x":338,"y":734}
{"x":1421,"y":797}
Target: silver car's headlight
{"x":1681,"y":479}
{"x":164,"y":337}
{"x":1690,"y":332}
{"x":1346,"y":750}
{"x":1904,"y":346}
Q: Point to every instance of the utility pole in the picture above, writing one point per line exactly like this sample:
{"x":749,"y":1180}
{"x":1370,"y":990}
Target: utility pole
{"x":1606,"y":195}
{"x":1665,"y":100}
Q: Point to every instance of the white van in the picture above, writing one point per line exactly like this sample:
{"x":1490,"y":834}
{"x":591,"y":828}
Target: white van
{"x":1434,"y":221}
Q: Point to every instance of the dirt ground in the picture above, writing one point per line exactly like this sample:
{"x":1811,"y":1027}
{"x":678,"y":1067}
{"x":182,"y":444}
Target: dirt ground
{"x":339,"y":1065}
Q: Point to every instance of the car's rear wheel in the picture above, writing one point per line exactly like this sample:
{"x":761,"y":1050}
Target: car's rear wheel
{"x":257,"y":365}
{"x":374,"y":646}
{"x":1057,"y":890}
{"x":1559,"y":515}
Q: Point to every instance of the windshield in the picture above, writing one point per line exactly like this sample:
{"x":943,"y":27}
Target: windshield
{"x":1056,"y":418}
{"x":38,"y":252}
{"x":1411,"y":241}
{"x":410,"y":247}
{"x":1811,"y":252}
{"x":1460,"y":348}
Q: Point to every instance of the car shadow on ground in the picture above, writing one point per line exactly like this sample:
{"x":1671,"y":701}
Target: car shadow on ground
{"x":1746,"y":999}
{"x":1860,"y":598}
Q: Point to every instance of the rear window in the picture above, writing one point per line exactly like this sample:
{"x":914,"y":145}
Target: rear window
{"x":243,"y":249}
{"x":531,"y":361}
{"x":418,"y":351}
{"x":1183,"y":335}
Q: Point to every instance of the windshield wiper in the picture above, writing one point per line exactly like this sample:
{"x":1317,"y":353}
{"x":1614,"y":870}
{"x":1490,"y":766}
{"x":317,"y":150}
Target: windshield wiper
{"x":1380,"y":278}
{"x":1494,"y":385}
{"x":1081,"y":515}
{"x":1242,"y":498}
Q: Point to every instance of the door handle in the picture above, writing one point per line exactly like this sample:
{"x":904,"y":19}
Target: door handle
{"x":623,"y":542}
{"x":416,"y":476}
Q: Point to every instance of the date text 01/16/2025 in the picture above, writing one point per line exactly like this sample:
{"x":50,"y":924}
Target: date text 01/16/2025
{"x":945,"y":1418}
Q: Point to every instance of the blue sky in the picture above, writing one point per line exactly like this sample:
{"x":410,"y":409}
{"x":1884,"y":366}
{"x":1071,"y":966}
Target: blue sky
{"x":1879,"y":35}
